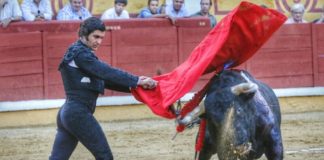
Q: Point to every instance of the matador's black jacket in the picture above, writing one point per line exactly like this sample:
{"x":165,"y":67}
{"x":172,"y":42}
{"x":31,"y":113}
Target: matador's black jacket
{"x":85,"y":77}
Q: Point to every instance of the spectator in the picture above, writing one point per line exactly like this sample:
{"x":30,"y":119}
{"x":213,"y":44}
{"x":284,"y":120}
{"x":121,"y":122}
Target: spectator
{"x":320,"y":20}
{"x":176,"y":9}
{"x":297,"y":11}
{"x":9,"y":12}
{"x":162,"y":8}
{"x":152,"y":10}
{"x":73,"y":11}
{"x":205,"y":6}
{"x":36,"y":10}
{"x":117,"y":12}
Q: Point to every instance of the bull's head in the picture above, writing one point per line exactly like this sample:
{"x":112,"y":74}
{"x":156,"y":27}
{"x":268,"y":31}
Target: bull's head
{"x":230,"y":113}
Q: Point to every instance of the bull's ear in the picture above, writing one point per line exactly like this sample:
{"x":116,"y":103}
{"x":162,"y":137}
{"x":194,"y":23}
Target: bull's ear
{"x":247,"y":89}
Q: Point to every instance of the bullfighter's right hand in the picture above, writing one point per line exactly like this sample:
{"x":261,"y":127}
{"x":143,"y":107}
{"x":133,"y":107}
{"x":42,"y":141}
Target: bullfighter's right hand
{"x":147,"y":82}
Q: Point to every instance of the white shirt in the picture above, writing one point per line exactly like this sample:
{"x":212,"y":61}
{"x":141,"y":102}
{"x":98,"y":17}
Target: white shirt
{"x":11,"y":9}
{"x":169,"y":10}
{"x":67,"y":13}
{"x":292,"y":21}
{"x":192,"y":6}
{"x":111,"y":14}
{"x":30,"y":9}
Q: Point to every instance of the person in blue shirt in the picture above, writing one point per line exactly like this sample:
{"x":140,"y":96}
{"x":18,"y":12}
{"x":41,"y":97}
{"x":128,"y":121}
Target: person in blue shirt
{"x":152,"y":10}
{"x":205,"y":6}
{"x":84,"y":78}
{"x":74,"y":10}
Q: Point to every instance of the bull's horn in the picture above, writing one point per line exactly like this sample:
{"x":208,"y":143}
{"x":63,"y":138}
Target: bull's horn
{"x":199,"y":110}
{"x":244,"y":88}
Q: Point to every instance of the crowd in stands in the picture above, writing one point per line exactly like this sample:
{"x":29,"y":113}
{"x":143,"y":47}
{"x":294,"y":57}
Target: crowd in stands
{"x":41,"y":10}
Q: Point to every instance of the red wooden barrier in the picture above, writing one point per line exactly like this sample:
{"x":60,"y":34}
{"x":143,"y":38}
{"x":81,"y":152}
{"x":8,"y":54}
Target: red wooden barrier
{"x":286,"y":59}
{"x":21,"y":68}
{"x":318,"y":54}
{"x":31,"y":51}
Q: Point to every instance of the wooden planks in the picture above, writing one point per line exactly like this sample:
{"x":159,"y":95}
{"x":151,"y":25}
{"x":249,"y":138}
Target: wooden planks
{"x":21,"y":66}
{"x":286,"y":60}
{"x":143,"y":51}
{"x":318,"y":54}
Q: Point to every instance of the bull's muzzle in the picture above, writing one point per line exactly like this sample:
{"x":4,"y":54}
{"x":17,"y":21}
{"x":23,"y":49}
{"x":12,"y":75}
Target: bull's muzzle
{"x":191,"y":116}
{"x":242,"y":150}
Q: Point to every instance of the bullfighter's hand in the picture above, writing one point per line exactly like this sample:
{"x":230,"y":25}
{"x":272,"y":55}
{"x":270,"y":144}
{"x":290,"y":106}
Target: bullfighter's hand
{"x":147,"y":82}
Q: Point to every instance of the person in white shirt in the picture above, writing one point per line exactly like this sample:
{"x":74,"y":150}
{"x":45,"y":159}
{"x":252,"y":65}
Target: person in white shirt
{"x":36,"y":10}
{"x":118,"y":12}
{"x":9,"y":12}
{"x":74,"y":10}
{"x":297,"y":13}
{"x":177,"y":9}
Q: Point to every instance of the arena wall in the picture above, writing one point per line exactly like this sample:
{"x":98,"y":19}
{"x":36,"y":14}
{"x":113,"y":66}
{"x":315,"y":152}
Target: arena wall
{"x":31,"y":52}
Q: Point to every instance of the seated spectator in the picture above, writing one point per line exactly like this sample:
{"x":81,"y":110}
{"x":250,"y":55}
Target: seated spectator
{"x":9,"y":12}
{"x":297,"y":11}
{"x":176,"y":9}
{"x":320,"y":20}
{"x":36,"y":10}
{"x":205,"y":6}
{"x":162,"y":8}
{"x":151,"y":11}
{"x":117,"y":12}
{"x":73,"y":11}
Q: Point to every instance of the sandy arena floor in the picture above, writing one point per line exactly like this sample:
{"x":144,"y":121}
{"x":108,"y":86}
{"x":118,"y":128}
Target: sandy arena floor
{"x":150,"y":139}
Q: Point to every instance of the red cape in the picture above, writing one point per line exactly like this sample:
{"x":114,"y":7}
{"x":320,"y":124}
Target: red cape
{"x":234,"y":40}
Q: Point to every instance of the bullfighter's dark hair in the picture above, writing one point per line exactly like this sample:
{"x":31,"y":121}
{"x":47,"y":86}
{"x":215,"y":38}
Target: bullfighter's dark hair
{"x":90,"y":25}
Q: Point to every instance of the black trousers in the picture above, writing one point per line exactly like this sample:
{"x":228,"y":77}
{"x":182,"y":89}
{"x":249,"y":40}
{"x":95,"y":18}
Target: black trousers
{"x":75,"y":122}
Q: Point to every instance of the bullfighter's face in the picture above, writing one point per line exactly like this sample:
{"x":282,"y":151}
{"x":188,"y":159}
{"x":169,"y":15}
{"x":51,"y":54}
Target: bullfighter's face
{"x":94,"y":39}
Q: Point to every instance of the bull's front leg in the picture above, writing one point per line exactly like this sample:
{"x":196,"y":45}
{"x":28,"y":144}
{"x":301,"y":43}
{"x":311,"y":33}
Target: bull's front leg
{"x":274,"y":148}
{"x":208,"y":149}
{"x":209,"y":144}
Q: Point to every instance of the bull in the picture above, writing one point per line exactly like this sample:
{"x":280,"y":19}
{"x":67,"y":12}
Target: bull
{"x":243,"y":119}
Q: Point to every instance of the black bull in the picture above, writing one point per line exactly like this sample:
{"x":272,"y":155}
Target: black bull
{"x":243,"y":119}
